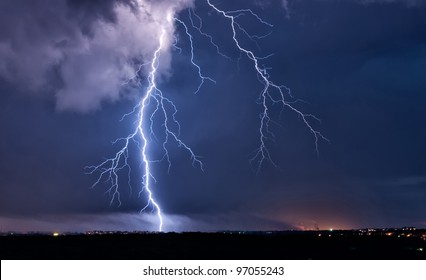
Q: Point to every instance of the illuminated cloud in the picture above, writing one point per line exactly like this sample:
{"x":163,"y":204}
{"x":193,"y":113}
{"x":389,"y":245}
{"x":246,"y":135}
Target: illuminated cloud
{"x":87,"y":62}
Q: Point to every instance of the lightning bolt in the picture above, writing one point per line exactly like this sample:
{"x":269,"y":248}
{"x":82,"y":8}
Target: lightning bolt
{"x":271,"y":92}
{"x":153,"y":98}
{"x":202,"y":77}
{"x":110,"y":168}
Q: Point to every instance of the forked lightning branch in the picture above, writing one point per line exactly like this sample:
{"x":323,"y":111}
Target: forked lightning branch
{"x":154,"y":102}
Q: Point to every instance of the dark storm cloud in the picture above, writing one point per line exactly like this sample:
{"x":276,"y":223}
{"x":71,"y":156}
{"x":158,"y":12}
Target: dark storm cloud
{"x":90,"y":10}
{"x":29,"y":32}
{"x":36,"y":38}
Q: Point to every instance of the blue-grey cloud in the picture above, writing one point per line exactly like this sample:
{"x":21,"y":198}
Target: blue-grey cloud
{"x":45,"y":49}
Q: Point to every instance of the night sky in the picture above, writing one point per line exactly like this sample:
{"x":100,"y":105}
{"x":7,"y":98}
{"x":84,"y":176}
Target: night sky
{"x":359,"y":65}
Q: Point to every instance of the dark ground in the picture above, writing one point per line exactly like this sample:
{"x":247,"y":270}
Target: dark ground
{"x":281,"y":245}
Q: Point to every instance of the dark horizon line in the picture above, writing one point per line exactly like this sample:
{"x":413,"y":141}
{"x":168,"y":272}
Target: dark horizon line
{"x":406,"y":228}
